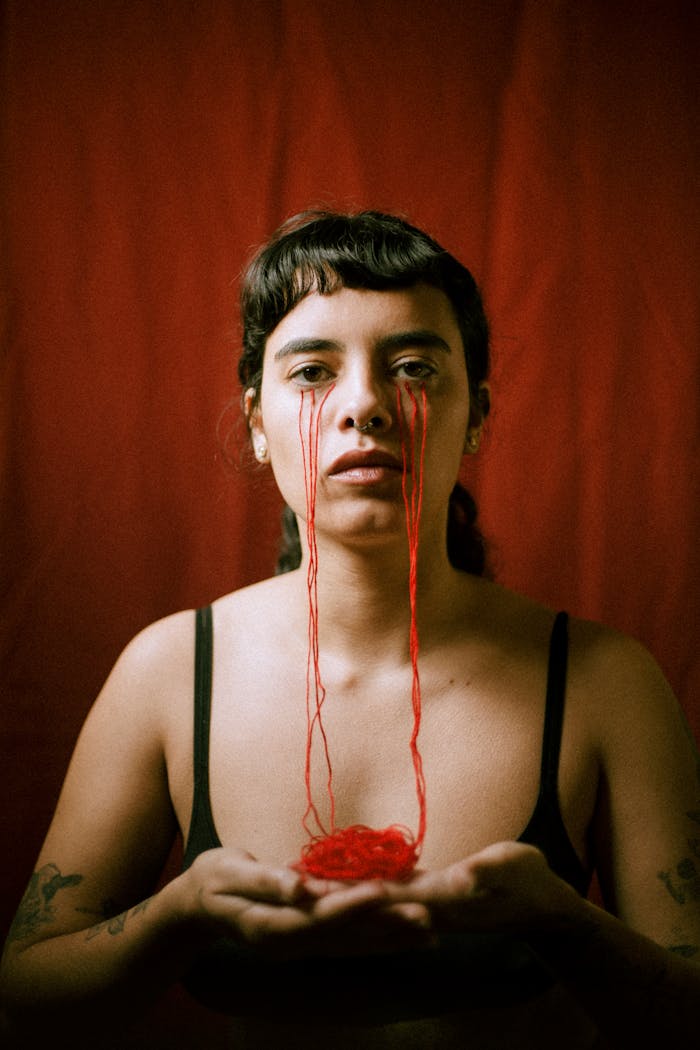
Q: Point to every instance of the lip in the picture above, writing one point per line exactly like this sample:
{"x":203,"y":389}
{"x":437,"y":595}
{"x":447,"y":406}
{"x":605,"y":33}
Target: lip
{"x":366,"y":465}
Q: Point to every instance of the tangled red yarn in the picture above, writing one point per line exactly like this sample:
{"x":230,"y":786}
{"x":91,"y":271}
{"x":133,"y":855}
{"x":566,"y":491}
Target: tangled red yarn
{"x":360,"y":852}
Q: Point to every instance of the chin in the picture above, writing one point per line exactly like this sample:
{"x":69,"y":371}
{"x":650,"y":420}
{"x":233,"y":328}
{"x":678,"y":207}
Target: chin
{"x":369,"y":526}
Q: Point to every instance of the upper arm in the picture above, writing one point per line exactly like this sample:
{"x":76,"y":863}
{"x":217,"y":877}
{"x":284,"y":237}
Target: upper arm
{"x":114,"y":823}
{"x":647,"y":826}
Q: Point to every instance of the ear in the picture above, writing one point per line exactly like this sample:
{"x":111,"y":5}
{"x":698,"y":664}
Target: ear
{"x":477,"y":416}
{"x":253,"y":417}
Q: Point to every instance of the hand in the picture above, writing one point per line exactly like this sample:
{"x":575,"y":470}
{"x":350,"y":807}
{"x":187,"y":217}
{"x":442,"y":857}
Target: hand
{"x":506,"y":887}
{"x":283,"y":913}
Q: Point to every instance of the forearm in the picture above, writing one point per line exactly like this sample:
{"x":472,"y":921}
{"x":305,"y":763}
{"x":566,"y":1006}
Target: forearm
{"x":121,"y":964}
{"x":637,"y":992}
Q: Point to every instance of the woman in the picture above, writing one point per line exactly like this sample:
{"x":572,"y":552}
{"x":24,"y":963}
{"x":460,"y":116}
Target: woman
{"x":382,"y":682}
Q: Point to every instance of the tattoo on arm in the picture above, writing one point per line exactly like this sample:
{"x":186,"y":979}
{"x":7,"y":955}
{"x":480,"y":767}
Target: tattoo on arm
{"x":686,"y":950}
{"x":117,"y":923}
{"x":685,"y":885}
{"x":36,"y":908}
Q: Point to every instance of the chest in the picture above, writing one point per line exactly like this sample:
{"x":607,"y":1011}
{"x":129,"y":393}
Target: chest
{"x":276,"y":746}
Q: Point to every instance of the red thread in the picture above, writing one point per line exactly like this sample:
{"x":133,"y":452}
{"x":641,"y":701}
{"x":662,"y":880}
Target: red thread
{"x":360,"y":852}
{"x":313,"y":673}
{"x":413,"y":507}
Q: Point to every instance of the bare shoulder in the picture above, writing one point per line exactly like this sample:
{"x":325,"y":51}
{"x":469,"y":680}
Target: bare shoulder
{"x":612,"y":679}
{"x":154,"y":673}
{"x":144,"y":695}
{"x":608,"y":651}
{"x":644,"y":734}
{"x":151,"y":672}
{"x":621,"y":680}
{"x":163,"y":644}
{"x":613,"y":671}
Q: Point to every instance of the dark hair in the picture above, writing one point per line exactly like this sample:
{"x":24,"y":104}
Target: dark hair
{"x":324,"y":251}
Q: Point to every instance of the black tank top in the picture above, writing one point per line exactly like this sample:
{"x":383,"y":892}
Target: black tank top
{"x":461,"y":969}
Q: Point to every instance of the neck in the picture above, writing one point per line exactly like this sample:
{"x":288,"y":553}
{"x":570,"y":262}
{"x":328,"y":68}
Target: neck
{"x":364,"y":596}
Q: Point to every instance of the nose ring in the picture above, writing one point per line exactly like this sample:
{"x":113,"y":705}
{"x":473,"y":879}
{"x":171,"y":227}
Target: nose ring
{"x":366,"y":427}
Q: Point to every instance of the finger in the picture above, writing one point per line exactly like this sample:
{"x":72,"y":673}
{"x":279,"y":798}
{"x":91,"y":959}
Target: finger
{"x":347,"y":900}
{"x":276,"y":900}
{"x":263,"y":923}
{"x":411,"y":913}
{"x":237,"y":873}
{"x":436,"y":887}
{"x":377,"y":929}
{"x":320,"y":887}
{"x":356,"y":921}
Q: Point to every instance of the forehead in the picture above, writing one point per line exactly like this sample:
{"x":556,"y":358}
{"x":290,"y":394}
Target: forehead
{"x":358,"y":315}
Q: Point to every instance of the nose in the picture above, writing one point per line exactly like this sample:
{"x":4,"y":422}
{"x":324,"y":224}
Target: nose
{"x":366,"y":403}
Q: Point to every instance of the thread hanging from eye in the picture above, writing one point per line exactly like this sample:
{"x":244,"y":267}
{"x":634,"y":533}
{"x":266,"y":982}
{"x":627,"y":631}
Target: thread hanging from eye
{"x":358,"y":851}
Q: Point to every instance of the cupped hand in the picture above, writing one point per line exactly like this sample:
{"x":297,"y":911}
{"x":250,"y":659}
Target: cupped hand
{"x":507,"y":887}
{"x":278,"y":911}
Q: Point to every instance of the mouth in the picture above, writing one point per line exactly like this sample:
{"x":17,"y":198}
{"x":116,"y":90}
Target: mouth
{"x":366,"y":467}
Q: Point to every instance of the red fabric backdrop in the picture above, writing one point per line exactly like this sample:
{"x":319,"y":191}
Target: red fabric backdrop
{"x":146,"y":148}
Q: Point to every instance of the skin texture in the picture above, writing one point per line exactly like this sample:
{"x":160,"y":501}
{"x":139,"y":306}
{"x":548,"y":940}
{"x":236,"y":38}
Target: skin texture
{"x":92,"y":931}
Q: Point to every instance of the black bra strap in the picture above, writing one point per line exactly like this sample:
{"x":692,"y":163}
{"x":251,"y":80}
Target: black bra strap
{"x":202,"y":833}
{"x":203,"y":654}
{"x":554,"y":707}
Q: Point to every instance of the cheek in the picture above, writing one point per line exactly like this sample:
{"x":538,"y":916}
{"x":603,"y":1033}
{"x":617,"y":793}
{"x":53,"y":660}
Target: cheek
{"x":279,"y":418}
{"x":280,"y":423}
{"x":285,"y":448}
{"x":448,"y":421}
{"x":287,"y":469}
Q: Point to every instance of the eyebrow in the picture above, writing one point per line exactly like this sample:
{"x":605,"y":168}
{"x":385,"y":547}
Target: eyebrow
{"x":417,"y":337}
{"x":305,"y":346}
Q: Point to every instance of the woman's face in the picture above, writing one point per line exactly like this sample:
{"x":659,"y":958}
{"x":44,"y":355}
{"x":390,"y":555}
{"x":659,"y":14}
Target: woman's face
{"x":358,"y":347}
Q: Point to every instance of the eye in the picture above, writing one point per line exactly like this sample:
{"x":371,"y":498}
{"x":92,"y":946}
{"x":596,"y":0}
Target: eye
{"x":414,"y":368}
{"x":310,"y":375}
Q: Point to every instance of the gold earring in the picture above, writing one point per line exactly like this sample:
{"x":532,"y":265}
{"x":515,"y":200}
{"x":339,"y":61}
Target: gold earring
{"x":473,"y":442}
